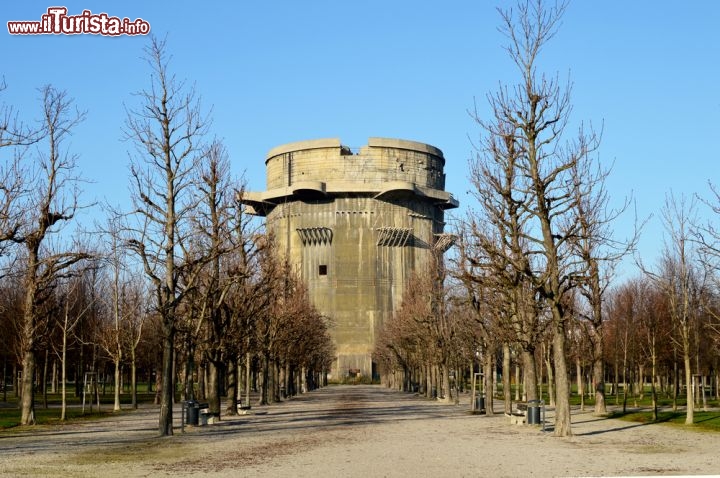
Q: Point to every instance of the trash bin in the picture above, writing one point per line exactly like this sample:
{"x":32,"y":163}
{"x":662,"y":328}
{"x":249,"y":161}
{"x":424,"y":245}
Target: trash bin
{"x":193,"y":412}
{"x":533,"y":412}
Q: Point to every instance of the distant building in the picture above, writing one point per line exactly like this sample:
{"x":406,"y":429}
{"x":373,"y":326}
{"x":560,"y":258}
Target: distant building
{"x":355,"y":224}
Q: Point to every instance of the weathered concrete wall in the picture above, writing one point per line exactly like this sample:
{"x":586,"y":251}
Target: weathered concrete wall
{"x":355,"y":225}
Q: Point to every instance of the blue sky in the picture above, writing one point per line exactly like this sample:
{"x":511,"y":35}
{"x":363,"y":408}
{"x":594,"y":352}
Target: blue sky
{"x":281,"y":71}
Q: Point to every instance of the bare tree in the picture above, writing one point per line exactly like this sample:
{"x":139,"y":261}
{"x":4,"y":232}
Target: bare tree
{"x":280,"y":283}
{"x":426,"y":339}
{"x":167,"y":129}
{"x":653,"y":329}
{"x":623,"y":316}
{"x":528,"y":132}
{"x":136,"y":300}
{"x":50,"y":201}
{"x":75,"y":302}
{"x":493,"y":264}
{"x":118,"y":330}
{"x":599,"y":252}
{"x":681,"y":278}
{"x":10,"y":310}
{"x":219,"y":238}
{"x":248,"y":293}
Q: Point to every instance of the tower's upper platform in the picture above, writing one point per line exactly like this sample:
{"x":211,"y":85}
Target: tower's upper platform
{"x":385,"y":169}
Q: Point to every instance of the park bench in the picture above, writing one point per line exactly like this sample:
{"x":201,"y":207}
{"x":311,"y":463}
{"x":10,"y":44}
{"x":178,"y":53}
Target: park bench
{"x":519,"y":415}
{"x":206,"y":417}
{"x":523,"y":415}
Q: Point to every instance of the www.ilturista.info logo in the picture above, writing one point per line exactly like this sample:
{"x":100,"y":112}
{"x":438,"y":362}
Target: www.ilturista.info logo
{"x":57,"y":22}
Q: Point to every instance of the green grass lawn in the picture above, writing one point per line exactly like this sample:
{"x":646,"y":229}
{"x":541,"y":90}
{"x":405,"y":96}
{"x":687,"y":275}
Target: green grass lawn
{"x":10,"y":412}
{"x":709,"y":421}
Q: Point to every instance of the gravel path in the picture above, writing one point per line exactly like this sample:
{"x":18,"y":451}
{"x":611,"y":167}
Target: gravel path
{"x":357,"y":431}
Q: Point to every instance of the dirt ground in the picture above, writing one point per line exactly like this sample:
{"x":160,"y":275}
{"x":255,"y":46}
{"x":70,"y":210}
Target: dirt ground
{"x":357,"y":431}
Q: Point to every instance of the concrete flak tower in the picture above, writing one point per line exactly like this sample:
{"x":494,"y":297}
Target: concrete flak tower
{"x":355,"y":224}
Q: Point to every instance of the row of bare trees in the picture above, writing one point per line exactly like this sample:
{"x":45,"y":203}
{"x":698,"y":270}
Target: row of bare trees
{"x":531,"y":273}
{"x":659,"y":331}
{"x":183,"y":277}
{"x":427,"y":338}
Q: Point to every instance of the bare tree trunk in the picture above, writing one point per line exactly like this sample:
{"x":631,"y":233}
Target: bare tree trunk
{"x":653,"y":390}
{"x":287,"y":381}
{"x":530,"y":382}
{"x":27,"y":391}
{"x":133,"y":379}
{"x":598,"y":374}
{"x":562,"y":385}
{"x":213,"y":385}
{"x":27,"y":398}
{"x":54,"y":385}
{"x":4,"y":379}
{"x":507,"y":371}
{"x":616,"y":382}
{"x":429,"y":380}
{"x":580,"y":391}
{"x":625,"y":388}
{"x":165,"y":421}
{"x":202,"y":381}
{"x":44,"y":380}
{"x":675,"y":385}
{"x":17,"y":381}
{"x":116,"y":405}
{"x":188,"y":389}
{"x":265,"y":375}
{"x":247,"y":378}
{"x":158,"y":382}
{"x":488,"y":381}
{"x":550,"y":375}
{"x":690,"y":416}
{"x":63,"y":373}
{"x":275,"y":381}
{"x":641,"y":381}
{"x":232,"y":389}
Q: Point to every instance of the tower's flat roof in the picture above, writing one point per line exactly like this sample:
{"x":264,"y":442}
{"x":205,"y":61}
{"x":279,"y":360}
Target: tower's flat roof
{"x":303,"y":145}
{"x":372,"y":142}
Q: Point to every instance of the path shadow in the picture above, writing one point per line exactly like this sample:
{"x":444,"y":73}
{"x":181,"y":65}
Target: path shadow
{"x":615,"y":429}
